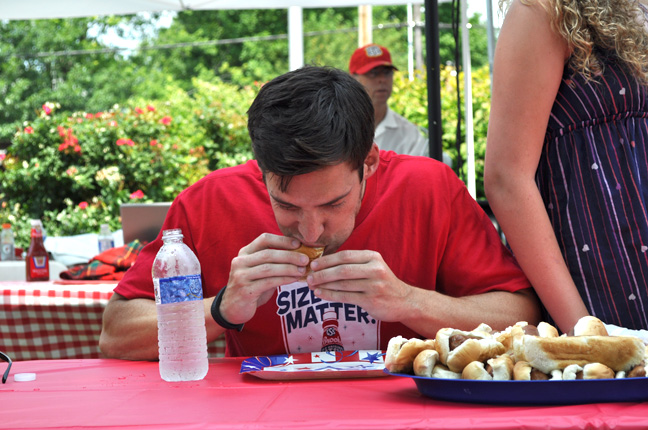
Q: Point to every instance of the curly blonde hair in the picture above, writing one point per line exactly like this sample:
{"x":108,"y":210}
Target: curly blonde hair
{"x":595,"y":29}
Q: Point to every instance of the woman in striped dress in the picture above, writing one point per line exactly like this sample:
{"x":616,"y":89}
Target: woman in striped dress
{"x":566,"y":163}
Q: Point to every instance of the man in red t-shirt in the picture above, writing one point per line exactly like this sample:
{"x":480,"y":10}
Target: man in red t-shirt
{"x":407,"y":250}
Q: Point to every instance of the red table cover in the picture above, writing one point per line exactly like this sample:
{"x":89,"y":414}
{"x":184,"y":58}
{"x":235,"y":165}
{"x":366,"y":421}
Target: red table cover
{"x":51,"y":320}
{"x":119,"y":394}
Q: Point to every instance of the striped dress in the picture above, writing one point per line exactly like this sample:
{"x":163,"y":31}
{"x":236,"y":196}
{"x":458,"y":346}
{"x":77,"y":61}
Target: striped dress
{"x":593,"y":177}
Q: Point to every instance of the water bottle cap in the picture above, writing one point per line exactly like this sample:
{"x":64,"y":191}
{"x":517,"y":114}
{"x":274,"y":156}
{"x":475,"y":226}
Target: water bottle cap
{"x":172,"y":232}
{"x":24,"y":377}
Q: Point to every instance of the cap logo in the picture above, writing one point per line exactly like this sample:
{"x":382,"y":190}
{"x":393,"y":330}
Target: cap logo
{"x":373,"y":51}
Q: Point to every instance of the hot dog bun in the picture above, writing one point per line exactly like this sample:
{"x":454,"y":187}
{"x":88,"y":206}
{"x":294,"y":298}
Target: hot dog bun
{"x":401,"y":352}
{"x":476,"y":370}
{"x":477,"y":345}
{"x":547,"y":330}
{"x":590,"y":326}
{"x":546,"y":354}
{"x":597,"y":371}
{"x":425,"y":361}
{"x":312,"y":254}
{"x":521,"y":352}
{"x":442,"y":372}
{"x":556,"y":375}
{"x":502,"y":366}
{"x":572,"y":372}
{"x":522,"y":371}
{"x":506,"y":337}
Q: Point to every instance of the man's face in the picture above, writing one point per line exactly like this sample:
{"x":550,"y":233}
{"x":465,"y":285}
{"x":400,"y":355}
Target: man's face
{"x":379,"y":83}
{"x":318,"y":208}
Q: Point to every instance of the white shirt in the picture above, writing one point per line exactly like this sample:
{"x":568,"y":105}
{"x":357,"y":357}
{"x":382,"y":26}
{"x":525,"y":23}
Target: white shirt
{"x":395,"y":133}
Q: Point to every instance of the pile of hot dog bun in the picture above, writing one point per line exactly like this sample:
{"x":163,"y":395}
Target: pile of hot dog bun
{"x":521,"y":352}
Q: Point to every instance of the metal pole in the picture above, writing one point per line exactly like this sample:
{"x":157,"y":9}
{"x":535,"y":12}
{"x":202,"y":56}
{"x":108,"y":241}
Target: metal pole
{"x":296,"y":37}
{"x":365,"y":25}
{"x":433,"y":78}
{"x":490,"y":32}
{"x":468,"y":106}
{"x":410,"y":42}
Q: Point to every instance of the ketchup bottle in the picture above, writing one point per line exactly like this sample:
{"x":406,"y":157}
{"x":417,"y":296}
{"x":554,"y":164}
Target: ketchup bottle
{"x":37,"y":261}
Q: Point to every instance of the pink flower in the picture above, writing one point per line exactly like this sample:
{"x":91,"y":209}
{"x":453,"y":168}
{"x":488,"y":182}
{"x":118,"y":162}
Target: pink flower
{"x":89,"y":116}
{"x":150,"y":108}
{"x":113,"y":123}
{"x":29,"y":130}
{"x":154,"y":142}
{"x":72,"y":171}
{"x":139,"y":194}
{"x":47,"y":109}
{"x":83,"y":205}
{"x":139,"y":110}
{"x":166,"y":120}
{"x":61,"y":130}
{"x":2,"y":156}
{"x":124,"y":141}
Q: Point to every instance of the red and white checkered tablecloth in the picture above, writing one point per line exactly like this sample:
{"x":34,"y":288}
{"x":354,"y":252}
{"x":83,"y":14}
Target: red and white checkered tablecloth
{"x":46,"y":320}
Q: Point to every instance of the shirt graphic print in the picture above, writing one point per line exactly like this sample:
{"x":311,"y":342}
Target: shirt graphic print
{"x":309,"y":323}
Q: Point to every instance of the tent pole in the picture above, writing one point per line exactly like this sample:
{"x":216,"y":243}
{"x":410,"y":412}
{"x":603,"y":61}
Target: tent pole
{"x":433,"y":78}
{"x":295,"y":37}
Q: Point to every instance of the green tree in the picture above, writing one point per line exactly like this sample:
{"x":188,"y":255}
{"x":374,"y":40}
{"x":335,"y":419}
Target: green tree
{"x":28,"y":77}
{"x":258,"y":60}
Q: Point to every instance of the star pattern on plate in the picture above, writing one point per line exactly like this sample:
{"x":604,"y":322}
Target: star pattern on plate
{"x":341,"y":361}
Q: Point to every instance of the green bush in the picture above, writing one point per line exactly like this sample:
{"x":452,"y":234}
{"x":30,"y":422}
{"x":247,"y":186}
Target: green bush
{"x":74,"y":171}
{"x":409,"y":98}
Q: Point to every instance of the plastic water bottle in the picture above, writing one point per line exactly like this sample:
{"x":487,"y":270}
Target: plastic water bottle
{"x":182,"y":338}
{"x":7,"y":247}
{"x":106,"y":240}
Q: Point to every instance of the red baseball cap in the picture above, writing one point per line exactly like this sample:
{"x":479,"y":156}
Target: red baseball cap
{"x":368,"y":57}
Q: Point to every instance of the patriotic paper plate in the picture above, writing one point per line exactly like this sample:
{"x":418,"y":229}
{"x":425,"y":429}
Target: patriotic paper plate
{"x":317,"y":365}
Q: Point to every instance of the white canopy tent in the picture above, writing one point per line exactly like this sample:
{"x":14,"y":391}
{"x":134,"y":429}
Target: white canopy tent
{"x":42,"y":9}
{"x":48,"y":9}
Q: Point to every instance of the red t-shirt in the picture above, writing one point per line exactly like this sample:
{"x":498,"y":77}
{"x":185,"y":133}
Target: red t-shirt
{"x":416,"y":213}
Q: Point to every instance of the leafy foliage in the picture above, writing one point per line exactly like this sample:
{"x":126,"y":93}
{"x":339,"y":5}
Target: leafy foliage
{"x":81,"y":138}
{"x":75,"y":171}
{"x":409,"y":98}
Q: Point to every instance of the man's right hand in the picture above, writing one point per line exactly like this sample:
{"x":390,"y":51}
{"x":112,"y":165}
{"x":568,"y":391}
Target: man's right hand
{"x":258,"y":269}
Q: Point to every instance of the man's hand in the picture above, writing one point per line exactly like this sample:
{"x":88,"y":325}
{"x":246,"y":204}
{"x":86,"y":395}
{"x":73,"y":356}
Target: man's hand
{"x":255,"y":273}
{"x":364,"y":279}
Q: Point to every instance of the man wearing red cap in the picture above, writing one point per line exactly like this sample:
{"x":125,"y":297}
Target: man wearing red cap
{"x":372,"y":66}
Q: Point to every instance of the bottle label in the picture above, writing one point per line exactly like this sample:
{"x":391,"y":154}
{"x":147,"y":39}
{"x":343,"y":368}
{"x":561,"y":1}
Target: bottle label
{"x":180,"y":289}
{"x":40,"y":262}
{"x":7,"y":252}
{"x":331,"y":339}
{"x":38,"y":267}
{"x":106,"y":244}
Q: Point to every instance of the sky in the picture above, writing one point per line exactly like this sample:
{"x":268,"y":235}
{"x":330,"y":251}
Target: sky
{"x":479,"y":6}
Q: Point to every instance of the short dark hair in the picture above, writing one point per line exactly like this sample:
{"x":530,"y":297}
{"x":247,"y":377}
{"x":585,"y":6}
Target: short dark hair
{"x":308,"y":119}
